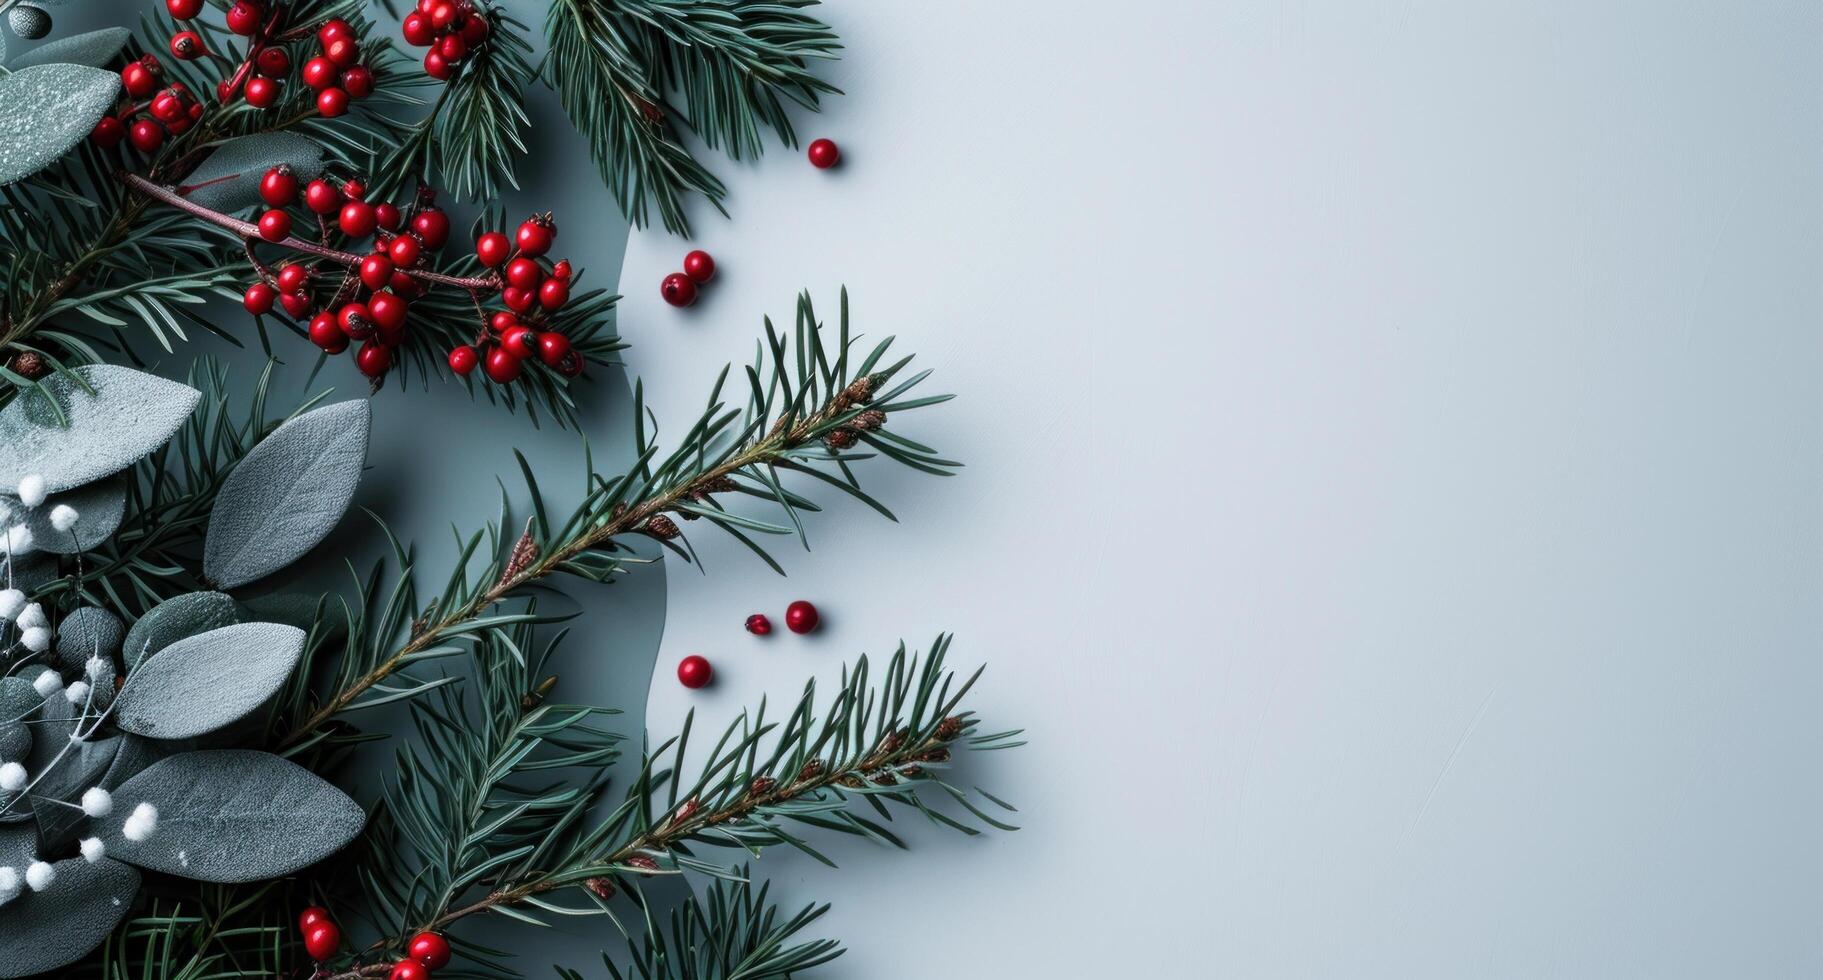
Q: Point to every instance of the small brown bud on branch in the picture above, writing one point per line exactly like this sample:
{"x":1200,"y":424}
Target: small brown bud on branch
{"x":661,"y":527}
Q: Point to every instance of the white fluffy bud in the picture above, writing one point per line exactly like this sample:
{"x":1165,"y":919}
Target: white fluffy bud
{"x":93,"y":849}
{"x":94,"y":667}
{"x":37,"y":639}
{"x":97,"y":802}
{"x":64,"y":517}
{"x":18,"y":540}
{"x":141,"y":823}
{"x":48,"y":683}
{"x":12,"y":777}
{"x":40,"y":876}
{"x":32,"y":615}
{"x":77,"y":693}
{"x":11,"y":602}
{"x":31,"y":490}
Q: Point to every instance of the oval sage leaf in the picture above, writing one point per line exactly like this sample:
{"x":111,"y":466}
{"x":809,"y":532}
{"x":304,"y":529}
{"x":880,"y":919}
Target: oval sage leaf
{"x":94,"y":49}
{"x":233,"y":815}
{"x":41,"y":931}
{"x":229,"y":179}
{"x":206,"y":682}
{"x":47,"y":109}
{"x":99,"y":508}
{"x":176,"y":618}
{"x":71,"y":437}
{"x":287,"y":494}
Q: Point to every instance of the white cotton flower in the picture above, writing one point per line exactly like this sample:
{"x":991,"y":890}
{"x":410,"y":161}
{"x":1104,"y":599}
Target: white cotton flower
{"x":141,"y":823}
{"x":77,"y":693}
{"x":18,"y":540}
{"x":94,"y":668}
{"x":64,"y":517}
{"x":48,"y":683}
{"x":93,"y":849}
{"x":12,"y":777}
{"x":97,"y":802}
{"x":9,"y":884}
{"x":31,"y":490}
{"x":11,"y":602}
{"x":37,"y":639}
{"x":32,"y":615}
{"x":40,"y":875}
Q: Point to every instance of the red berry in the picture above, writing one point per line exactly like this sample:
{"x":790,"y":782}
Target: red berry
{"x":561,"y":270}
{"x":295,"y":304}
{"x":475,"y":30}
{"x":534,"y":237}
{"x":376,"y":271}
{"x":570,"y":366}
{"x":146,"y":135}
{"x":358,"y":81}
{"x":438,"y":67}
{"x":520,"y":341}
{"x":273,"y":62}
{"x":279,"y":186}
{"x":167,"y":107}
{"x":518,"y":300}
{"x":262,"y":92}
{"x":429,"y":949}
{"x":110,"y":131}
{"x":355,"y":321}
{"x":492,"y":249}
{"x":332,"y":102}
{"x":184,"y":9}
{"x":244,"y":18}
{"x":408,"y":970}
{"x":292,"y":278}
{"x":322,"y":940}
{"x":319,"y":73}
{"x":141,"y":77}
{"x":311,"y":916}
{"x":334,"y":28}
{"x":801,"y":617}
{"x":405,"y":251}
{"x":386,"y":216}
{"x":824,"y":154}
{"x":387,"y":310}
{"x":417,"y":30}
{"x":405,"y":285}
{"x":325,"y":334}
{"x":503,"y":321}
{"x":442,"y":14}
{"x":186,"y":46}
{"x":223,"y":91}
{"x":343,"y":51}
{"x":432,"y":225}
{"x":758,"y":624}
{"x":699,"y":266}
{"x":357,"y":220}
{"x":258,"y":298}
{"x":553,"y":348}
{"x":694,"y":672}
{"x":553,"y":293}
{"x":373,"y":360}
{"x":678,"y":289}
{"x":452,"y":47}
{"x":501,"y":367}
{"x":275,"y":226}
{"x":524,"y":273}
{"x":462,"y":360}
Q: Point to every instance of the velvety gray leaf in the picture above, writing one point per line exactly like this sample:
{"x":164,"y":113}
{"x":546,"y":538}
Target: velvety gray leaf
{"x":176,"y":618}
{"x":133,"y":757}
{"x":130,"y":414}
{"x":33,"y":570}
{"x":18,"y":845}
{"x":234,"y":815}
{"x":99,"y":507}
{"x":287,"y":494}
{"x":207,"y":682}
{"x":47,"y":109}
{"x":94,"y":49}
{"x":229,"y":179}
{"x":82,"y":767}
{"x":18,"y":700}
{"x":41,"y":931}
{"x":89,"y":631}
{"x":295,"y":609}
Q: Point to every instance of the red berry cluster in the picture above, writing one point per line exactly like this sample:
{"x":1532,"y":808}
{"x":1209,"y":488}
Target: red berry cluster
{"x":695,"y":671}
{"x":426,"y":953}
{"x":321,"y":937}
{"x":679,"y":288}
{"x":335,"y":74}
{"x":450,"y":29}
{"x":531,"y":295}
{"x":167,"y":111}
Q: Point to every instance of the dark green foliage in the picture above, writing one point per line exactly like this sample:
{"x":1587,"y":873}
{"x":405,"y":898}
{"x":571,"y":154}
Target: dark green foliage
{"x":731,"y":933}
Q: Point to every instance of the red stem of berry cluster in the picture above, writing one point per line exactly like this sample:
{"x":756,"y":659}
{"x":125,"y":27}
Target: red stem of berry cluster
{"x":250,"y":233}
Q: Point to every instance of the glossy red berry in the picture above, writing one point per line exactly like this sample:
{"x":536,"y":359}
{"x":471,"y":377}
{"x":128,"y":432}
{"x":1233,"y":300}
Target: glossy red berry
{"x":334,"y":28}
{"x":520,"y":341}
{"x":109,"y":132}
{"x":273,"y":62}
{"x":292,"y":278}
{"x":518,"y":300}
{"x":167,"y":107}
{"x":429,"y":949}
{"x":678,"y":289}
{"x":327,"y":335}
{"x":408,"y":970}
{"x":358,"y":81}
{"x":262,"y":92}
{"x":442,"y":14}
{"x":553,"y":348}
{"x":570,"y":366}
{"x":503,"y":321}
{"x":492,"y":249}
{"x":184,"y":9}
{"x":376,"y":271}
{"x":452,"y":47}
{"x":332,"y":102}
{"x":417,"y":30}
{"x":319,"y":73}
{"x":322,"y":940}
{"x":801,"y":617}
{"x":311,"y":916}
{"x":373,"y":360}
{"x":699,"y":266}
{"x":186,"y":46}
{"x":431,"y":225}
{"x":295,"y":304}
{"x":561,"y":270}
{"x":354,"y":190}
{"x":322,"y":197}
{"x":553,"y":293}
{"x":357,"y":220}
{"x":474,"y":30}
{"x":694,"y":672}
{"x":462,"y":360}
{"x":759,"y":625}
{"x":140,"y":78}
{"x":387,"y":310}
{"x":387,"y":216}
{"x":524,"y":273}
{"x":534,"y":237}
{"x":258,"y":298}
{"x":355,"y":321}
{"x":244,"y":18}
{"x":501,"y":367}
{"x":823,"y":154}
{"x":405,"y":251}
{"x":343,"y":51}
{"x":438,"y":67}
{"x":275,"y":226}
{"x":146,"y":135}
{"x":279,"y":186}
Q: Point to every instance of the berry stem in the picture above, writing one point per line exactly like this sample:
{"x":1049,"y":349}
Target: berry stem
{"x":249,"y":231}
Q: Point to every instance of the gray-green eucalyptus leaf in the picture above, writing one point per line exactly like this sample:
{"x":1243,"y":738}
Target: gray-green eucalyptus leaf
{"x":99,"y":507}
{"x":42,"y":931}
{"x":74,"y":437}
{"x":88,"y":631}
{"x":176,"y":618}
{"x":46,"y":110}
{"x":229,"y":179}
{"x":204,"y":683}
{"x":94,"y":49}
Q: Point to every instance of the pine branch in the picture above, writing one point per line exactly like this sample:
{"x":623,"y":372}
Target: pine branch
{"x":732,"y":933}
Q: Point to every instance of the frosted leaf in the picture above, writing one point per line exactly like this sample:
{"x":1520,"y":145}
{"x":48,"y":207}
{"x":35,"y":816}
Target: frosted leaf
{"x":101,"y":505}
{"x":176,"y":618}
{"x":47,"y":109}
{"x":229,"y":179}
{"x":209,"y":681}
{"x":40,"y":932}
{"x":94,"y":49}
{"x":75,"y":437}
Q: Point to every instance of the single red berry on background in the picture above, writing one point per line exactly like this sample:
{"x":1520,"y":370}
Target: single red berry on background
{"x":146,"y":135}
{"x":801,"y":617}
{"x":553,"y":348}
{"x":387,"y":216}
{"x":295,"y":304}
{"x":442,"y":14}
{"x":518,"y":300}
{"x":475,"y":30}
{"x":342,"y":52}
{"x":501,"y":367}
{"x":357,"y":220}
{"x":273,"y":62}
{"x":561,"y":270}
{"x":553,"y":293}
{"x":332,"y":102}
{"x":694,"y":672}
{"x":492,"y":249}
{"x":184,"y":9}
{"x":279,"y":186}
{"x":524,"y":273}
{"x":109,"y":132}
{"x":417,"y":30}
{"x":311,"y":916}
{"x":405,"y":251}
{"x":244,"y":18}
{"x":258,"y":298}
{"x":167,"y":107}
{"x":386,"y":310}
{"x":358,"y":81}
{"x":327,"y":335}
{"x":353,"y":189}
{"x":319,"y":73}
{"x":503,"y":321}
{"x":355,"y":321}
{"x":275,"y":226}
{"x":534,"y":237}
{"x":429,"y":949}
{"x":408,"y":970}
{"x":678,"y":289}
{"x":262,"y":92}
{"x":462,"y":360}
{"x":376,"y":271}
{"x":520,"y":341}
{"x":335,"y":27}
{"x":373,"y":360}
{"x":571,"y":365}
{"x":186,"y":46}
{"x":699,"y":265}
{"x":292,"y":278}
{"x":438,"y":67}
{"x":141,"y":77}
{"x":823,"y":154}
{"x":431,"y":225}
{"x":759,"y":625}
{"x":322,"y":940}
{"x":322,"y":197}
